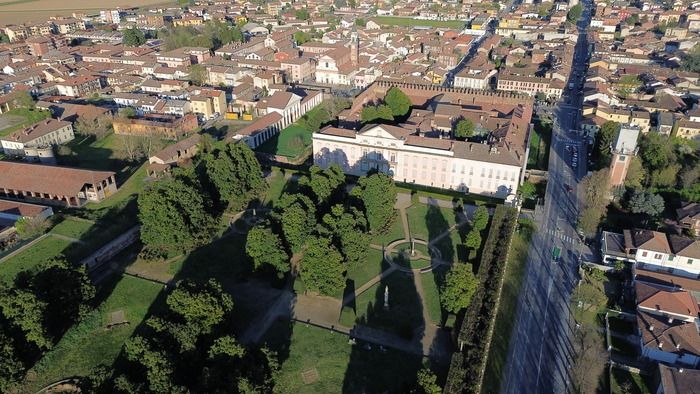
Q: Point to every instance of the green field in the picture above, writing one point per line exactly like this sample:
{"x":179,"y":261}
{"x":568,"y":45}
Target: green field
{"x":409,"y":22}
{"x":334,"y":366}
{"x":278,"y":184}
{"x":72,"y":228}
{"x":427,"y":222}
{"x":12,"y":121}
{"x":393,"y":233}
{"x":431,"y":290}
{"x":36,"y":254}
{"x":373,"y":265}
{"x":106,"y":154}
{"x":540,"y":142}
{"x":505,"y":317}
{"x":290,"y":142}
{"x":90,"y":343}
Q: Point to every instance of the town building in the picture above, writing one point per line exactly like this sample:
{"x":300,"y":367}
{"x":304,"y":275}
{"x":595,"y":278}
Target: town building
{"x":623,"y":150}
{"x":36,"y":142}
{"x":421,"y":150}
{"x":70,"y":187}
{"x":156,"y":125}
{"x":80,"y":86}
{"x":173,"y":156}
{"x":209,"y":102}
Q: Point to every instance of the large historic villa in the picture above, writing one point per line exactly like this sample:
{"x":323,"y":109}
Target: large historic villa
{"x":422,"y":149}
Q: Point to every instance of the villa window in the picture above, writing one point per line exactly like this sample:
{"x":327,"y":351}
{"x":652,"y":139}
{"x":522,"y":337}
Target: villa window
{"x":690,"y":261}
{"x":657,"y":256}
{"x":644,"y":254}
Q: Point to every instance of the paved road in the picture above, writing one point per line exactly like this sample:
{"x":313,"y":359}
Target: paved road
{"x":540,"y":348}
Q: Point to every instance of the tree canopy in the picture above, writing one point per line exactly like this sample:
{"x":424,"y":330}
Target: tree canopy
{"x":575,"y":13}
{"x":265,"y":248}
{"x":322,"y":268}
{"x":377,"y":193}
{"x":647,"y":203}
{"x":234,"y":176}
{"x":297,"y":215}
{"x":691,"y":61}
{"x":376,"y":114}
{"x":480,"y":218}
{"x":459,"y":287}
{"x":603,"y":140}
{"x":324,"y":183}
{"x":464,"y":129}
{"x":398,"y":102}
{"x":133,"y":37}
{"x":347,"y":227}
{"x":198,"y":74}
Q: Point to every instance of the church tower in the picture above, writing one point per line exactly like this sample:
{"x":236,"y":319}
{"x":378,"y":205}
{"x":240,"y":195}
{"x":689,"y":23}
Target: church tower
{"x":354,"y":48}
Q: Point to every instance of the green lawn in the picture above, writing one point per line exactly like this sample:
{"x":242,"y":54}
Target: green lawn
{"x":130,"y":188}
{"x":224,"y":259}
{"x":393,"y":233}
{"x":339,"y":367}
{"x":540,"y":142}
{"x":633,"y":383}
{"x":505,"y":317}
{"x":404,"y":313}
{"x":371,"y":267}
{"x":89,"y":343}
{"x":72,"y":228}
{"x":448,"y":195}
{"x":30,"y":117}
{"x":31,"y":257}
{"x":427,"y":222}
{"x":404,"y":21}
{"x":278,"y":184}
{"x":290,"y":142}
{"x":431,"y":289}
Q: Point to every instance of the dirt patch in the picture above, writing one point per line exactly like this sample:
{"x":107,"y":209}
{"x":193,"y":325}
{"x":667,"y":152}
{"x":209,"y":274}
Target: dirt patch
{"x":13,"y":11}
{"x":7,"y":121}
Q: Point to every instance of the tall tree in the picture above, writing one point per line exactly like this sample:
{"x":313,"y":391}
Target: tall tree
{"x":575,"y":13}
{"x":480,"y":219}
{"x":265,"y":248}
{"x":348,"y":230}
{"x":235,"y":176}
{"x":604,"y":139}
{"x":647,"y":203}
{"x":322,"y":268}
{"x":297,"y":216}
{"x":459,"y":287}
{"x":11,"y":368}
{"x":198,"y":74}
{"x":324,"y":183}
{"x":397,"y":100}
{"x":377,"y":193}
{"x":133,"y":37}
{"x":473,"y":240}
{"x":174,"y":216}
{"x":464,"y":129}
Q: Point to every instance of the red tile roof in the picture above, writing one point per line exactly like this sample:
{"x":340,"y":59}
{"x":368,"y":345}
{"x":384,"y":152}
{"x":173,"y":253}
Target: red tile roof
{"x":53,"y":180}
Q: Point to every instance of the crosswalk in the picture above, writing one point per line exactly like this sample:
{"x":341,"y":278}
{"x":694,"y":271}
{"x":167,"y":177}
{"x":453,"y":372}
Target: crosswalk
{"x":558,"y":234}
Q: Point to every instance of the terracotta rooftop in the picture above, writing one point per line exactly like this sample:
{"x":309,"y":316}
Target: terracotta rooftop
{"x":17,"y":208}
{"x":52,"y":180}
{"x":656,"y":297}
{"x":674,"y":337}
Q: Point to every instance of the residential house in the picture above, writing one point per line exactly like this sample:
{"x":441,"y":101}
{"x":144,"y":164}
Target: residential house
{"x":157,"y":125}
{"x":35,"y":143}
{"x":80,"y":86}
{"x":689,"y":217}
{"x":173,"y":156}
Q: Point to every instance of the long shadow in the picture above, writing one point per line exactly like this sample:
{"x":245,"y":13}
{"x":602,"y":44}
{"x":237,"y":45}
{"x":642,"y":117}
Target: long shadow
{"x":375,"y":369}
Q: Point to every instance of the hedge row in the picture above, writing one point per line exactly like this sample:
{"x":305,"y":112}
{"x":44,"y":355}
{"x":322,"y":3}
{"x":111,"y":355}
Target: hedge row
{"x":466,"y":366}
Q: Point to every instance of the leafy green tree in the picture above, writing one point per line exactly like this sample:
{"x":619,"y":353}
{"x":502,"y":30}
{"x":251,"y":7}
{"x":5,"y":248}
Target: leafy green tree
{"x":302,"y":14}
{"x":4,"y":38}
{"x":348,"y":229}
{"x":322,"y":268}
{"x":647,"y":203}
{"x":200,"y":305}
{"x":427,"y":381}
{"x":575,"y":13}
{"x":527,"y":190}
{"x":234,"y":175}
{"x":25,"y":312}
{"x":665,"y":176}
{"x":198,"y":74}
{"x":459,"y":287}
{"x":480,"y":218}
{"x":301,"y":37}
{"x":265,"y":248}
{"x":11,"y":368}
{"x":635,"y":174}
{"x":360,"y":22}
{"x":133,"y":37}
{"x":691,"y":61}
{"x":174,"y":216}
{"x":297,"y":216}
{"x":157,"y":364}
{"x":473,"y":240}
{"x":398,"y":102}
{"x":127,"y":112}
{"x":377,"y":193}
{"x":656,"y":151}
{"x":603,"y":140}
{"x":588,"y":221}
{"x":464,"y":129}
{"x":324,"y":183}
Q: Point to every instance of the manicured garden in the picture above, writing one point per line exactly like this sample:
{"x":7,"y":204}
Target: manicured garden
{"x":374,"y":264}
{"x":540,"y":142}
{"x":91,"y":343}
{"x":329,"y":364}
{"x":290,"y":142}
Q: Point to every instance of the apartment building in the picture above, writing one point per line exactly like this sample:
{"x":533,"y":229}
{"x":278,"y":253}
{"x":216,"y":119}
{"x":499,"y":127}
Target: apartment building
{"x":44,"y":134}
{"x":183,"y":57}
{"x":80,"y":86}
{"x":209,"y":102}
{"x":298,"y":69}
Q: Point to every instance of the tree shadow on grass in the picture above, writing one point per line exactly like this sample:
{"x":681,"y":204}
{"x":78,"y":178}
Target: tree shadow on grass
{"x":373,"y":369}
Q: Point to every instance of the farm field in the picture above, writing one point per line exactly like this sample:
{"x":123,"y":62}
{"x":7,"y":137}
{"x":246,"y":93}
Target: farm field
{"x":17,"y":11}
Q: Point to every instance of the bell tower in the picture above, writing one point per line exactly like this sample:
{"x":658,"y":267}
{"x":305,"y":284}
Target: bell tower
{"x":354,"y":47}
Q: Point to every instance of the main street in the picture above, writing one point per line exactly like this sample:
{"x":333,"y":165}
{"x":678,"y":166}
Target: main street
{"x":541,"y":350}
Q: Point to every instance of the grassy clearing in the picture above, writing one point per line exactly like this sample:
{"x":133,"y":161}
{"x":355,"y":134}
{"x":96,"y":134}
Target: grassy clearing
{"x":24,"y":117}
{"x":431,"y":290}
{"x":33,"y":256}
{"x":371,"y":267}
{"x":72,"y":228}
{"x":340,"y":367}
{"x":409,"y":22}
{"x":89,"y":343}
{"x":278,"y":184}
{"x":505,"y":317}
{"x":130,"y":188}
{"x":393,"y":233}
{"x":290,"y":142}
